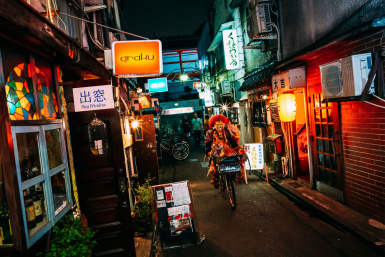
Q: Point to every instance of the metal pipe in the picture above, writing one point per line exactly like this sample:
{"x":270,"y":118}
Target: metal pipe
{"x":289,"y":132}
{"x":309,"y":143}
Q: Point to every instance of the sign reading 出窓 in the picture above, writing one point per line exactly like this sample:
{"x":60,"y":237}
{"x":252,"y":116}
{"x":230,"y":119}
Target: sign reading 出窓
{"x":230,"y":45}
{"x":255,"y":154}
{"x":93,"y":98}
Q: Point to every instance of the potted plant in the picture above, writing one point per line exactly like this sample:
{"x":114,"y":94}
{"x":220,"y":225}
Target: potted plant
{"x":142,"y":208}
{"x":71,"y":238}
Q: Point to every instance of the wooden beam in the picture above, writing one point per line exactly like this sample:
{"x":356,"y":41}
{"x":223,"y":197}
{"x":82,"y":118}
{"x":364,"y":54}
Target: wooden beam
{"x":372,"y":72}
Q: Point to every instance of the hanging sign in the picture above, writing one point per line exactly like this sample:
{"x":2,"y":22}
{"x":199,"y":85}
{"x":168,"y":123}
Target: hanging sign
{"x":230,"y":45}
{"x":209,"y":100}
{"x":178,"y":111}
{"x":137,"y":58}
{"x":274,"y":111}
{"x":293,"y":78}
{"x":259,"y":114}
{"x":157,"y":85}
{"x":234,"y":116}
{"x":93,"y":98}
{"x":255,"y":154}
{"x":144,"y":102}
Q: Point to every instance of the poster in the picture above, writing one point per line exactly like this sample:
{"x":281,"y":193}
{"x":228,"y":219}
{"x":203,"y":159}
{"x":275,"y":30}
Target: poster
{"x":274,"y":111}
{"x":180,"y":220}
{"x":255,"y":154}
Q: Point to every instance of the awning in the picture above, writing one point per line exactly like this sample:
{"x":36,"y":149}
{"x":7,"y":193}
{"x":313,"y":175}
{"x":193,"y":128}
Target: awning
{"x":256,"y":76}
{"x":218,"y":37}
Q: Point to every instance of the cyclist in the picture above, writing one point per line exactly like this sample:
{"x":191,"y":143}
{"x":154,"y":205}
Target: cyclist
{"x":222,"y":141}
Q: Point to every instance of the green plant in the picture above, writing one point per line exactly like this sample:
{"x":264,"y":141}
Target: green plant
{"x":143,"y":204}
{"x":71,"y":238}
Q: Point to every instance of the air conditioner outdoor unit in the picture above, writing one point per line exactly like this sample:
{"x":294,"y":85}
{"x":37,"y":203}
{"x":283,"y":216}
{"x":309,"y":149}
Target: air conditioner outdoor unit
{"x":258,"y":21}
{"x":346,"y":77}
{"x":225,"y":87}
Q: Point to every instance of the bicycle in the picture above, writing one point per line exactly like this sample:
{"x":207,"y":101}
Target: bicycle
{"x":175,"y":146}
{"x":227,"y":168}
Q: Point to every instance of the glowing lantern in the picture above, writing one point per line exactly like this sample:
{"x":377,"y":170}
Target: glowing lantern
{"x":97,"y":135}
{"x":287,"y":107}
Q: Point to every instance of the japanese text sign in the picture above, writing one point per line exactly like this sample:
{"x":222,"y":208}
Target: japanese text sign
{"x":178,"y":111}
{"x":255,"y":154}
{"x":157,"y":85}
{"x":209,"y":100}
{"x":137,"y":58}
{"x":230,"y":45}
{"x":293,"y":78}
{"x":93,"y":98}
{"x":280,"y":81}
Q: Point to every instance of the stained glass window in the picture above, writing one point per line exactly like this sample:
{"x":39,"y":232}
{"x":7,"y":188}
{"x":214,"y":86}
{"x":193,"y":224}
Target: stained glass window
{"x":19,"y":91}
{"x":20,"y":95}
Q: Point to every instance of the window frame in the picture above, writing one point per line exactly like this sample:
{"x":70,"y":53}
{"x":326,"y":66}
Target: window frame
{"x":44,"y":177}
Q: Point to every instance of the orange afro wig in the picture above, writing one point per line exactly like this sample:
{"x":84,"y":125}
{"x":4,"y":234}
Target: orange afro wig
{"x":216,"y":118}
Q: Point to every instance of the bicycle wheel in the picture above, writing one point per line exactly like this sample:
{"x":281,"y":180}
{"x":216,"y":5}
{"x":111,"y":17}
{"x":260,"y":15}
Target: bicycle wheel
{"x":180,"y":151}
{"x":222,"y":182}
{"x":231,"y":191}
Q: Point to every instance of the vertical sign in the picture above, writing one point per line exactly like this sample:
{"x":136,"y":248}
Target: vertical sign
{"x":230,"y":45}
{"x":93,"y":98}
{"x":255,"y":154}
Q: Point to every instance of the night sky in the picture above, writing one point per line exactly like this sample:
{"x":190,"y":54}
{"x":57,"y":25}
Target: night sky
{"x":165,"y":17}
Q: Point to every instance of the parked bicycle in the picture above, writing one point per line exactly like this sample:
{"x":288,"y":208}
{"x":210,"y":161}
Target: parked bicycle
{"x":174,"y":145}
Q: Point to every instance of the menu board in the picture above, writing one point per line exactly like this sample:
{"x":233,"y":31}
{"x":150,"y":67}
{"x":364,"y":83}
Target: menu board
{"x":274,"y":111}
{"x":173,"y":203}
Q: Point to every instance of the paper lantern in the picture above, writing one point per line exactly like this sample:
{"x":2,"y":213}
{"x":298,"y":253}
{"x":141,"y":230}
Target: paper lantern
{"x":287,"y":107}
{"x":97,"y":135}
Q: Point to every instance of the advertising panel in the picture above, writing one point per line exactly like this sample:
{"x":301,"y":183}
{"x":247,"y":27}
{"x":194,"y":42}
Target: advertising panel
{"x":255,"y":154}
{"x":137,"y":58}
{"x":157,"y":85}
{"x":230,"y":45}
{"x":178,"y":111}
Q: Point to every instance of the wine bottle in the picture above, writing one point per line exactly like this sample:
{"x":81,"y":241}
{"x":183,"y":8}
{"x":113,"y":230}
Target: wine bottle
{"x":38,"y":208}
{"x":30,"y":211}
{"x":5,"y":223}
{"x":40,"y":193}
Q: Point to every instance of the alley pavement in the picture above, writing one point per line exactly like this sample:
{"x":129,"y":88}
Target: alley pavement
{"x":265,"y":222}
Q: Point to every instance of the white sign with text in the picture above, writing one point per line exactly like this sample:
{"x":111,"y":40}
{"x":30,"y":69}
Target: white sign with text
{"x":93,"y":98}
{"x":230,"y":45}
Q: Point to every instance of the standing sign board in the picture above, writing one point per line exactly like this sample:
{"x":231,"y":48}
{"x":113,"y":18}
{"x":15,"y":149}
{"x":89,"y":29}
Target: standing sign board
{"x":173,"y":212}
{"x":137,"y":58}
{"x":230,"y":45}
{"x":93,"y":98}
{"x":255,"y":154}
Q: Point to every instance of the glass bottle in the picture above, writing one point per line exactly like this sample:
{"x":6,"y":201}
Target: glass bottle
{"x":39,"y":191}
{"x":30,"y":211}
{"x":38,"y":206}
{"x":34,"y":170}
{"x":5,"y":223}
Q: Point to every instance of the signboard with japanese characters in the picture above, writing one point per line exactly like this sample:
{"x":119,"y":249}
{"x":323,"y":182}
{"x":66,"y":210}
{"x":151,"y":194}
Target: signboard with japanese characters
{"x":230,"y":45}
{"x":157,"y":85}
{"x":178,"y":111}
{"x":209,"y":100}
{"x":274,"y":111}
{"x":259,"y":114}
{"x":93,"y":98}
{"x":293,"y":78}
{"x":255,"y":155}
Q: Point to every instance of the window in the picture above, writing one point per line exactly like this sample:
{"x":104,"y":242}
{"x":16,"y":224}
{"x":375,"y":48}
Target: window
{"x":43,"y":177}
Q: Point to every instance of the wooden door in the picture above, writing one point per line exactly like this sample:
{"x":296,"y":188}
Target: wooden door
{"x":326,"y":140}
{"x":144,"y":149}
{"x":99,"y":184}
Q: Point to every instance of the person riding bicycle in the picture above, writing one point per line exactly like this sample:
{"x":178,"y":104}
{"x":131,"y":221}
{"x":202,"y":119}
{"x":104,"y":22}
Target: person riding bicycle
{"x":222,"y":141}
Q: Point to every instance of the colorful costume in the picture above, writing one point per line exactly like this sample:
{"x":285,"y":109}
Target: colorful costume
{"x":222,"y":141}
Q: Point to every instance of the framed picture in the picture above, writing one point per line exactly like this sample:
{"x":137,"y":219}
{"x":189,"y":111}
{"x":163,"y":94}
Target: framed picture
{"x":139,"y":133}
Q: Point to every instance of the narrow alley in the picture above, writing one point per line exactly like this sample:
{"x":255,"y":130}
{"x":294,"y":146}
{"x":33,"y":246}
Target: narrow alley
{"x":265,"y":222}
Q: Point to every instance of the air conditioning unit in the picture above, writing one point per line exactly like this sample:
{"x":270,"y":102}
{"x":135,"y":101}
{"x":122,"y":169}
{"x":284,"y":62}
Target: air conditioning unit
{"x":225,"y":87}
{"x":346,"y":77}
{"x":257,"y":23}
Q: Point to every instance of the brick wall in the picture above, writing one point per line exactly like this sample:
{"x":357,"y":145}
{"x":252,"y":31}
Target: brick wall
{"x":362,"y":131}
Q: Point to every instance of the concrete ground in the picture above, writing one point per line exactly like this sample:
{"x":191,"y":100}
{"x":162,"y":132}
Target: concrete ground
{"x":265,"y":222}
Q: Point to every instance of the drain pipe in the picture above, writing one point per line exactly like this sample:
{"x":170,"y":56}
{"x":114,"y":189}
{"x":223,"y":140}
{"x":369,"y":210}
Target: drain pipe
{"x":289,"y":132}
{"x":309,"y":141}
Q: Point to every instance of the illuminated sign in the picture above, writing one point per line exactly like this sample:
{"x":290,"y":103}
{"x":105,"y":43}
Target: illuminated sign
{"x":178,"y":111}
{"x":197,"y":85}
{"x":137,"y":58}
{"x":230,"y":45}
{"x":255,"y":155}
{"x":209,"y":100}
{"x":144,"y":102}
{"x":93,"y":98}
{"x":157,"y":85}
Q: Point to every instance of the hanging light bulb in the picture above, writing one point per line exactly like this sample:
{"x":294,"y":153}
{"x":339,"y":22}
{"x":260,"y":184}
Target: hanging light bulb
{"x":176,"y":104}
{"x":135,"y":124}
{"x":139,"y":90}
{"x":184,"y":77}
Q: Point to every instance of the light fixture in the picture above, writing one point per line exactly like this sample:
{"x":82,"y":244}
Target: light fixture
{"x":139,"y":90}
{"x":224,"y":107}
{"x":264,"y":96}
{"x":184,"y":77}
{"x":176,"y":104}
{"x":134,"y":124}
{"x":97,"y":136}
{"x":287,"y":107}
